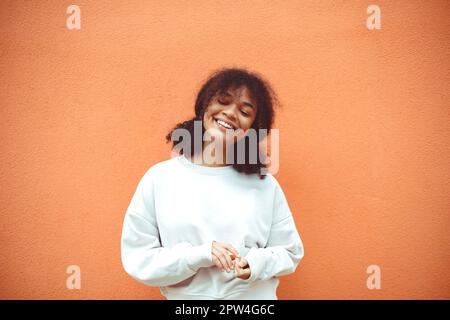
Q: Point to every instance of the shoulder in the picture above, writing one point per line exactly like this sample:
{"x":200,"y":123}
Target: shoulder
{"x":269,"y":185}
{"x":270,"y":181}
{"x":160,"y":169}
{"x":275,"y":188}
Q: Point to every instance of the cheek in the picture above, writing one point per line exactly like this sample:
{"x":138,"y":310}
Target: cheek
{"x":207,"y":122}
{"x":207,"y":117}
{"x":210,"y":112}
{"x":247,"y":123}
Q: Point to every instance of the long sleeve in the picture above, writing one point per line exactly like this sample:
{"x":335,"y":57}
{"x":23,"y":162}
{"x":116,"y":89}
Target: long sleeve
{"x":142,"y":255}
{"x":284,"y":248}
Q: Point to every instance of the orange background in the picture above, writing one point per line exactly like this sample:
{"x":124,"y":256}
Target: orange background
{"x":364,"y":134}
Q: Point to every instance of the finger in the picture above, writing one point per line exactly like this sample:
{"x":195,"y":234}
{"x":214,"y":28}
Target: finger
{"x":217,"y":263}
{"x":243,"y":263}
{"x":225,"y":259}
{"x":238,"y":266}
{"x":222,"y":262}
{"x":229,"y":262}
{"x":234,"y":253}
{"x":237,"y":270}
{"x":231,"y":249}
{"x":229,"y":256}
{"x":244,"y":274}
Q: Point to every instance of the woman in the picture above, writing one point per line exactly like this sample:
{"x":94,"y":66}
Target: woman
{"x":201,"y":228}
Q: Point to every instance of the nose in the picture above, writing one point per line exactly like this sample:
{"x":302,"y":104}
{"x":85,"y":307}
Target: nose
{"x":230,"y":112}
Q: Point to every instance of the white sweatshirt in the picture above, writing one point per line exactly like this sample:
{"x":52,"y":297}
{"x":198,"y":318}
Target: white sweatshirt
{"x":180,"y":207}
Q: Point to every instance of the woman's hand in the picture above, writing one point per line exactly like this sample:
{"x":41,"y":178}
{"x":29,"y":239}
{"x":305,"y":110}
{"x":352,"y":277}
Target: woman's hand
{"x":242,"y":269}
{"x":223,"y":255}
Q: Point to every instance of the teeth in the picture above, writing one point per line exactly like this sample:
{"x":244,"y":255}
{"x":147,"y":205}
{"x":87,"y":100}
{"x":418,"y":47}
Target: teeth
{"x":224,"y":124}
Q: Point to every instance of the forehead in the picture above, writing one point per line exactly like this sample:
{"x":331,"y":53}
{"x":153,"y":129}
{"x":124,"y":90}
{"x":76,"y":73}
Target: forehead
{"x":242,"y":90}
{"x":242,"y":93}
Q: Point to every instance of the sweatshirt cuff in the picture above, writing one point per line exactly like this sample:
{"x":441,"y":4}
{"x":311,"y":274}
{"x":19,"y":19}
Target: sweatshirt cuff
{"x":199,"y":256}
{"x":256,"y":262}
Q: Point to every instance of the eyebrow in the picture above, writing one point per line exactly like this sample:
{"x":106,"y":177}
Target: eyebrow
{"x":248,"y":104}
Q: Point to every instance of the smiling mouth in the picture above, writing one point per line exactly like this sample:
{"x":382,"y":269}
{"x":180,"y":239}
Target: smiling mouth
{"x":223,"y":124}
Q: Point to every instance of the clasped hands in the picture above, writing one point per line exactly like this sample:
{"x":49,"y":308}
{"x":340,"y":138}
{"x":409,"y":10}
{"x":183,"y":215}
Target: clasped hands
{"x":225,"y":257}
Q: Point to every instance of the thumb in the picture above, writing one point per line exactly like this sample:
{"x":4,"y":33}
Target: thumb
{"x":242,"y":263}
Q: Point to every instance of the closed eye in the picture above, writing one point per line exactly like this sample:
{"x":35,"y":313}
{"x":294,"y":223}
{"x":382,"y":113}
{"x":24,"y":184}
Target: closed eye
{"x":223,"y":101}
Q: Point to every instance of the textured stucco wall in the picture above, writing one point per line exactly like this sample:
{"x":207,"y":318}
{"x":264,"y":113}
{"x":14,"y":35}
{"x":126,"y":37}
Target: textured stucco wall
{"x":364,"y":134}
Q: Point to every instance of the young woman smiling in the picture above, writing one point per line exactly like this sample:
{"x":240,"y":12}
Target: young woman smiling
{"x":191,"y":220}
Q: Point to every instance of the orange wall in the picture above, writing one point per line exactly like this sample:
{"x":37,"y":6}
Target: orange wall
{"x":364,"y":134}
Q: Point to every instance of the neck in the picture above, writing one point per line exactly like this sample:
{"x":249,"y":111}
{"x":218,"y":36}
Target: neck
{"x":220,"y":159}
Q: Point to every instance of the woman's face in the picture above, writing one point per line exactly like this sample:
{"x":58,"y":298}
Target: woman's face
{"x":232,"y":110}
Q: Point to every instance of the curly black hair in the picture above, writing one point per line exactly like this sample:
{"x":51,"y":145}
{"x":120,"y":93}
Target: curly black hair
{"x":262,"y":93}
